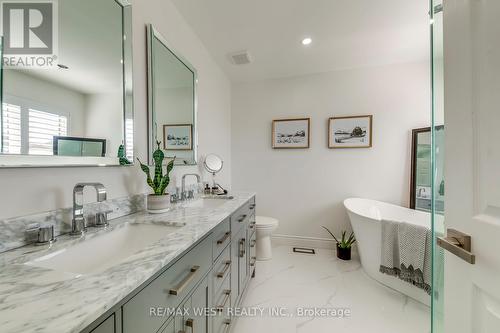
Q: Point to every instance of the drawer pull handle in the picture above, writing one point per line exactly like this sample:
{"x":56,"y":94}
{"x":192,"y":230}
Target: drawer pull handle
{"x":227,"y":264}
{"x":242,"y":248}
{"x":228,"y":325}
{"x":253,"y":243}
{"x":223,"y":239}
{"x":252,"y":225}
{"x":190,"y":324}
{"x":242,"y":218}
{"x":185,"y":282}
{"x":254,"y":259}
{"x":220,"y":308}
{"x":252,"y":206}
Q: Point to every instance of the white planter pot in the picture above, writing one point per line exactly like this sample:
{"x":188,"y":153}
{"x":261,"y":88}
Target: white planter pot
{"x":157,"y":204}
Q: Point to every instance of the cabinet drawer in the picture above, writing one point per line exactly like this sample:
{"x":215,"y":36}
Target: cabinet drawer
{"x":252,"y":259}
{"x":222,"y":269}
{"x":221,"y":238}
{"x":222,"y":303}
{"x":241,"y":217}
{"x":222,"y":325}
{"x":168,"y":290}
{"x":251,"y":227}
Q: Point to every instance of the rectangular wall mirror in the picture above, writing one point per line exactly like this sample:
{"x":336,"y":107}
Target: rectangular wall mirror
{"x":79,"y":113}
{"x":172,"y":101}
{"x":421,"y":170}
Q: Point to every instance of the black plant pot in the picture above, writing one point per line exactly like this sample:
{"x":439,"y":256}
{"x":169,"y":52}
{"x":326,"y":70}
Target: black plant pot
{"x":343,"y":254}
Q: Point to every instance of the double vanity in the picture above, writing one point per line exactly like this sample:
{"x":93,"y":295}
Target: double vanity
{"x":181,"y":271}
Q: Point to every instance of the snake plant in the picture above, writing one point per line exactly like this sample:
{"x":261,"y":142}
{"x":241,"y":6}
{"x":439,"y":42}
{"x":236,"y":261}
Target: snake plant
{"x":122,"y":156}
{"x":345,"y":242}
{"x":160,"y":182}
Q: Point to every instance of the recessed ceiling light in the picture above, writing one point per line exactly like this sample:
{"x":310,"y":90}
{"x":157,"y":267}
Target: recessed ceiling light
{"x":307,"y":41}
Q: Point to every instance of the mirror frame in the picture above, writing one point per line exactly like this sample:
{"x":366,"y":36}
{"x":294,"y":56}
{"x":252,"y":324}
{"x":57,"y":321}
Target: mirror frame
{"x":413,"y":175}
{"x":152,"y":33}
{"x":209,"y":169}
{"x":39,"y":161}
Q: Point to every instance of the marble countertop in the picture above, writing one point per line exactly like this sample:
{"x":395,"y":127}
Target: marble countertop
{"x":34,"y":299}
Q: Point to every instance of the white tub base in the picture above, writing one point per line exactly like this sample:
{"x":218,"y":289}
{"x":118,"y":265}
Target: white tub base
{"x":365,"y":216}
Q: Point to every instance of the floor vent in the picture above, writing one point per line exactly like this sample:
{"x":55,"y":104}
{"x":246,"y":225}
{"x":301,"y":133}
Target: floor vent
{"x":304,"y":250}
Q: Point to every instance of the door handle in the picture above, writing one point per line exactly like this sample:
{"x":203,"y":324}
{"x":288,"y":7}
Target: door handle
{"x":183,"y":284}
{"x":242,"y":247}
{"x":222,"y":273}
{"x":190,"y":324}
{"x":224,"y":238}
{"x":459,"y":244}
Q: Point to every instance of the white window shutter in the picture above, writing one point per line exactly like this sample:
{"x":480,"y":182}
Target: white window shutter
{"x":11,"y":129}
{"x":43,"y":126}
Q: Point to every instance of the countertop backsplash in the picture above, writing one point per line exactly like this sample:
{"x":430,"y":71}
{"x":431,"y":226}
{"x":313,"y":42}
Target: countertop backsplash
{"x":12,"y":230}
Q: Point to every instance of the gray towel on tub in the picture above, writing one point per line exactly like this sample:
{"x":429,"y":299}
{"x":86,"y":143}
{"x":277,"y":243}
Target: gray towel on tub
{"x":406,"y":253}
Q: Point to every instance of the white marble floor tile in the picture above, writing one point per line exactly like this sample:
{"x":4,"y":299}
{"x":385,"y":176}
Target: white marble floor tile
{"x":293,"y":281}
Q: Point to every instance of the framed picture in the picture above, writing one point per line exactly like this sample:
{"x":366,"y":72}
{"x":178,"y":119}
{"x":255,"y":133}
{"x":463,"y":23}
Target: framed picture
{"x":291,"y":133}
{"x":350,"y":132}
{"x":178,"y":137}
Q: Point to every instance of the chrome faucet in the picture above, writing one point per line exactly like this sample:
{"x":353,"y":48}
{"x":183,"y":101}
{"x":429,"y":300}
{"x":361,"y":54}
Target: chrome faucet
{"x":184,"y":195}
{"x":78,"y":224}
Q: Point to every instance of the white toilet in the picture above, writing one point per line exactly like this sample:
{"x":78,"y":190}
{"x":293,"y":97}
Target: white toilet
{"x":265,"y":227}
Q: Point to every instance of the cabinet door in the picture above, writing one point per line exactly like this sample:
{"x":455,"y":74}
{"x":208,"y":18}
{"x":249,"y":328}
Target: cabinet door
{"x":170,"y":328}
{"x":107,"y":326}
{"x":199,"y":305}
{"x":182,"y":320}
{"x":235,"y":266}
{"x":242,"y":262}
{"x":194,"y":319}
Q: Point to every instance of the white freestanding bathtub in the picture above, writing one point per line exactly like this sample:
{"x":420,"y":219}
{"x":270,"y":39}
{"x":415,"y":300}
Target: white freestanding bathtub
{"x":365,"y":216}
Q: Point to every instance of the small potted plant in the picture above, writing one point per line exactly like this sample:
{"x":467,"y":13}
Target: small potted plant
{"x":159,"y":201}
{"x":344,"y":246}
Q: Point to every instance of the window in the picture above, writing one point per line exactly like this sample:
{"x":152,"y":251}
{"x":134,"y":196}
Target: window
{"x":11,"y":129}
{"x":43,"y":126}
{"x":129,"y":139}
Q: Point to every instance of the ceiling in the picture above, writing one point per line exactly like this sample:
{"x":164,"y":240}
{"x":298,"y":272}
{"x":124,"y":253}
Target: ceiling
{"x":90,"y":44}
{"x":346,"y":34}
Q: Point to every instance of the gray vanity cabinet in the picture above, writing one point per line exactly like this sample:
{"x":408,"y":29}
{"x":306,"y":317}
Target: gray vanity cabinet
{"x":213,"y":274}
{"x":241,"y":221}
{"x":168,"y":290}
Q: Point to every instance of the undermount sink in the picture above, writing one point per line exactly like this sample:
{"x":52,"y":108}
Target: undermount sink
{"x":208,"y":202}
{"x":104,"y":251}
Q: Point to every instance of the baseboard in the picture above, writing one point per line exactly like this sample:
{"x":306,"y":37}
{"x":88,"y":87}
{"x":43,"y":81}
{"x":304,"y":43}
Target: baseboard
{"x":308,"y":242}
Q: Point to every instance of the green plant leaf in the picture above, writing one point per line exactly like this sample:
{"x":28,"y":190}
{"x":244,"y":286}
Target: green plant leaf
{"x":331,"y":234}
{"x":165,"y":181}
{"x":146,"y":170}
{"x":158,"y":157}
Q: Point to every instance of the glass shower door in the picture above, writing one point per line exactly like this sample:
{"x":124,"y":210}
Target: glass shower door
{"x":438,"y":181}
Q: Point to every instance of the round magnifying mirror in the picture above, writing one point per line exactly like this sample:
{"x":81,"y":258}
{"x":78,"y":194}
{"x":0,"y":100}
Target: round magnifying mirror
{"x":213,"y":163}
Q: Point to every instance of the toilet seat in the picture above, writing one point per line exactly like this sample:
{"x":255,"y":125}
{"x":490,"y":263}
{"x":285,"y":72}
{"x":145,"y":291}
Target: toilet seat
{"x":264,"y":222}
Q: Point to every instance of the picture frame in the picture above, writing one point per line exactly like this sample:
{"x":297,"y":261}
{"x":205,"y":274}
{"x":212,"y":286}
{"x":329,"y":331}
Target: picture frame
{"x":178,"y":137}
{"x":293,"y":133}
{"x":350,"y":132}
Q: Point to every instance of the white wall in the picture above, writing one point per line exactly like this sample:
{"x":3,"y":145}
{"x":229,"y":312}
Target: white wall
{"x":305,"y":189}
{"x":104,"y":119}
{"x":25,"y":191}
{"x":48,"y":96}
